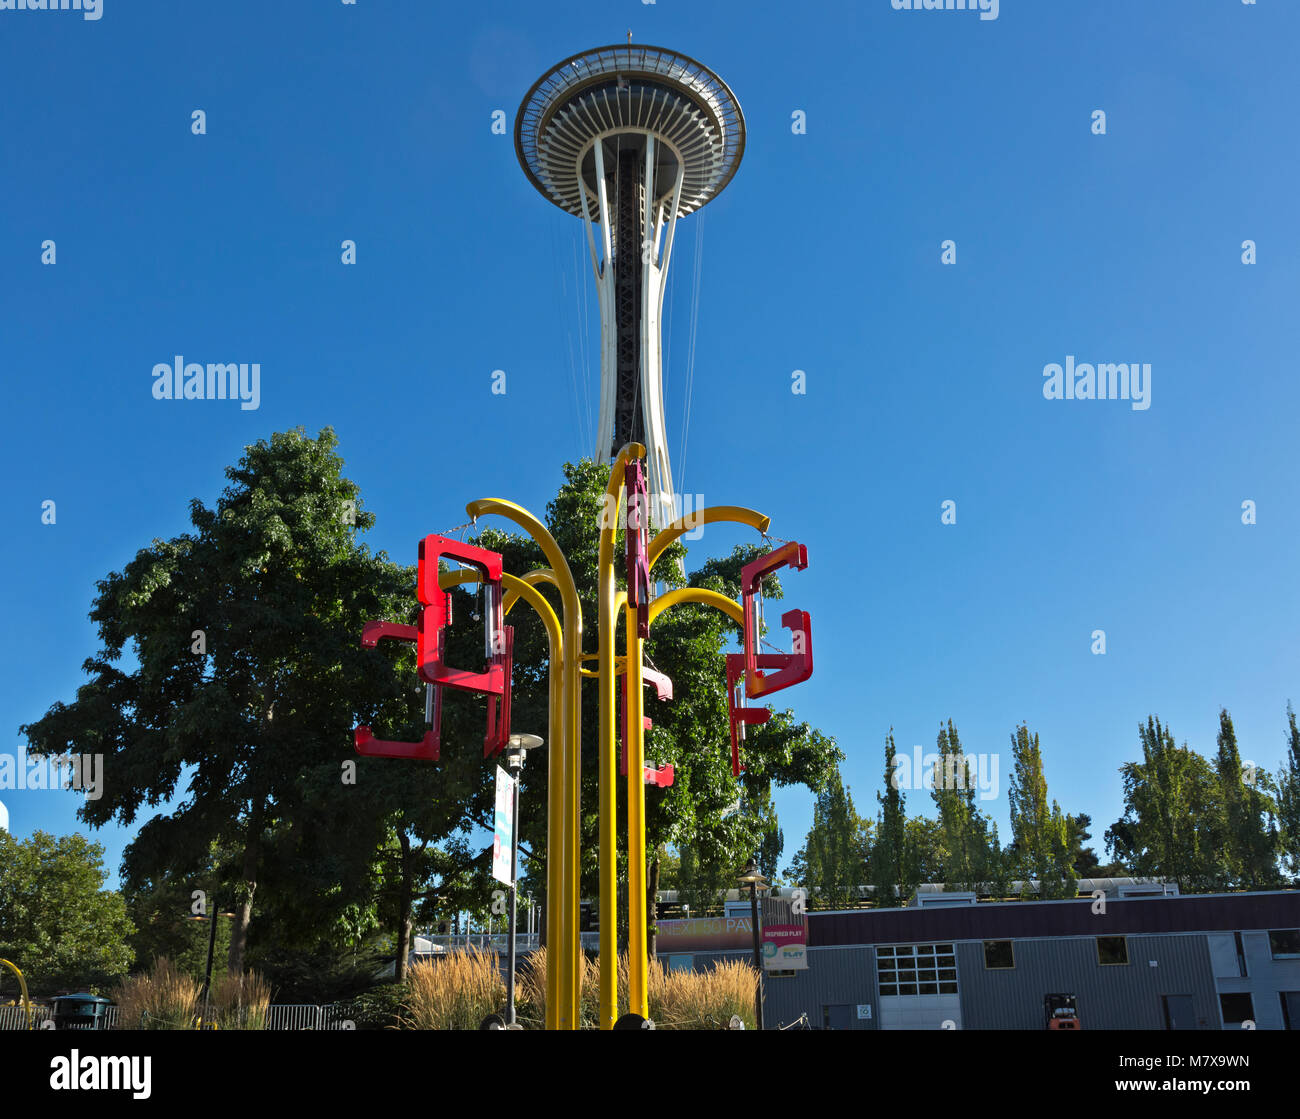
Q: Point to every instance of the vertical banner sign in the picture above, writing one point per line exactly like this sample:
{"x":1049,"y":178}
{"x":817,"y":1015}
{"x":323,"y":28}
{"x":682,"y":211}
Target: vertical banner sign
{"x":784,"y":936}
{"x":503,"y":828}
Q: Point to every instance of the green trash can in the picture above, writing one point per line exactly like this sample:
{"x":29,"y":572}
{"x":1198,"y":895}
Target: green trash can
{"x":80,"y":1012}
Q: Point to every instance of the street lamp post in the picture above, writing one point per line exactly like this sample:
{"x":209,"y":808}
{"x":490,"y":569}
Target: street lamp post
{"x":756,"y":882}
{"x":517,"y":747}
{"x":212,"y":943}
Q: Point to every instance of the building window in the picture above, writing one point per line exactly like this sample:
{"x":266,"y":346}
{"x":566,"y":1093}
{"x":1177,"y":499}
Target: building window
{"x":1237,"y":1008}
{"x":1284,"y":943}
{"x":1290,"y":1009}
{"x":1241,"y":954}
{"x":917,"y":969}
{"x":998,"y":954}
{"x":1112,"y":950}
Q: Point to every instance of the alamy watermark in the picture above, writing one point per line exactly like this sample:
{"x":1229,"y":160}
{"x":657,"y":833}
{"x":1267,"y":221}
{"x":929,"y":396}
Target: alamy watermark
{"x":92,"y":10}
{"x":988,"y":9}
{"x":685,"y":507}
{"x":923,"y":771}
{"x":1104,"y":381}
{"x":184,"y":380}
{"x":82,"y":772}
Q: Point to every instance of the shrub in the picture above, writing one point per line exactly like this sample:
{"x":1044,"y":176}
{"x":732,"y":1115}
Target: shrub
{"x":455,"y":992}
{"x":679,"y":1000}
{"x":163,"y":998}
{"x":380,"y":1008}
{"x":239,"y":1002}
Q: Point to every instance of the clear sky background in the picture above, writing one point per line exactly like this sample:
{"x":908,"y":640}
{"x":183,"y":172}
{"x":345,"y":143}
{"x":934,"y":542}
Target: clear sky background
{"x":372,"y":122}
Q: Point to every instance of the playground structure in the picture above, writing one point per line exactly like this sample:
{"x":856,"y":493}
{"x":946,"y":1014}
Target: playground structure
{"x":773,"y":672}
{"x":629,"y":138}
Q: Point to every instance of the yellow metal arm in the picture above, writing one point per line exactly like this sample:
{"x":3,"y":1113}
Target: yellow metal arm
{"x":728,"y":606}
{"x":22,"y":983}
{"x":562,"y":934}
{"x":737,"y":513}
{"x":607,"y":1006}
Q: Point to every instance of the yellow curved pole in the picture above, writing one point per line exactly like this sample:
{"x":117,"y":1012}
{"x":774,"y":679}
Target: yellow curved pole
{"x":533,"y":579}
{"x":518,"y":588}
{"x":714,"y":513}
{"x":638,"y":931}
{"x":566,"y":947}
{"x":22,"y":983}
{"x":728,"y":606}
{"x":607,"y":1007}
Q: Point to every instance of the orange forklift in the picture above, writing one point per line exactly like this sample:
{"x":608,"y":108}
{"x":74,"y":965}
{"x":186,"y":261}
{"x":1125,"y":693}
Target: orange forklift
{"x":1062,"y":1012}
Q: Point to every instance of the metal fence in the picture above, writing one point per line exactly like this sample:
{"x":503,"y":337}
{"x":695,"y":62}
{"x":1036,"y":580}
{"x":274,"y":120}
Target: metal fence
{"x":497,"y":942}
{"x":279,"y":1016}
{"x":15,"y":1017}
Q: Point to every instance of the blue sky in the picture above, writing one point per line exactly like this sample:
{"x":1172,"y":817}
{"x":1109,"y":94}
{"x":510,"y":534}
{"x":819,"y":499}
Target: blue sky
{"x":328,"y":121}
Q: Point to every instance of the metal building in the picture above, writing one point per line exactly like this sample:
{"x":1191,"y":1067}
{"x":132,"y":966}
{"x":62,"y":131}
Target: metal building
{"x":1217,"y":961}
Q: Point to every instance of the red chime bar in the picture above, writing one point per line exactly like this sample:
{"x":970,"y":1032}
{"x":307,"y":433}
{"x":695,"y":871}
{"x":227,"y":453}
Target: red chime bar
{"x":365,"y":743}
{"x":660,"y":776}
{"x":434,"y":617}
{"x":793,"y":667}
{"x":737,"y":713}
{"x":430,"y":642}
{"x":663,"y":686}
{"x":498,"y":728}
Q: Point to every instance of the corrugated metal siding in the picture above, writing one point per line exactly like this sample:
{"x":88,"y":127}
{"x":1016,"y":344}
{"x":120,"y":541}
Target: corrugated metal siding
{"x":835,"y":977}
{"x":1265,"y":979}
{"x":1006,"y":921}
{"x":1110,"y":997}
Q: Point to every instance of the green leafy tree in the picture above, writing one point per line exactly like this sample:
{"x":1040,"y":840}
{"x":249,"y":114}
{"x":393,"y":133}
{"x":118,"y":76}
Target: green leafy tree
{"x":1040,"y":835}
{"x":1288,"y":798}
{"x":926,"y":841}
{"x":57,"y":922}
{"x":1173,"y":822}
{"x":700,"y":886}
{"x":1084,"y":860}
{"x":1250,"y":847}
{"x":969,"y":837}
{"x":894,"y":869}
{"x":168,"y":924}
{"x":833,"y":860}
{"x":247,"y":681}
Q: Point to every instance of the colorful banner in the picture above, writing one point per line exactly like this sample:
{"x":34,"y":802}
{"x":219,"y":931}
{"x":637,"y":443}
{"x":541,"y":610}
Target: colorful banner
{"x":785,"y":947}
{"x":705,"y":934}
{"x":502,"y":829}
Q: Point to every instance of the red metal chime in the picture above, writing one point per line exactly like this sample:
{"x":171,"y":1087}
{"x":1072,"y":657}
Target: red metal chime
{"x":429,"y":638}
{"x":765,"y":673}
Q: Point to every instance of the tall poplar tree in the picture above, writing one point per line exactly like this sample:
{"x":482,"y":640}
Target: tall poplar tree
{"x":1288,"y":799}
{"x":894,"y":870}
{"x":833,"y":860}
{"x":970,"y":840}
{"x":1040,"y":834}
{"x":1250,"y":840}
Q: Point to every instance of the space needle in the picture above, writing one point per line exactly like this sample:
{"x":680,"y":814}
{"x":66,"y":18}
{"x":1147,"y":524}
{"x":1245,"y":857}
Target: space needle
{"x":630,"y":138}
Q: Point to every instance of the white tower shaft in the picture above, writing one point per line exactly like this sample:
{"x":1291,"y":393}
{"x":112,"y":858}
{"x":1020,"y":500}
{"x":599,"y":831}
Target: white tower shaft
{"x":650,"y":256}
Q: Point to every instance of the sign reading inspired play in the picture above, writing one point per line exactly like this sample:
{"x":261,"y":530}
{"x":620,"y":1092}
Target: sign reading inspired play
{"x":785,"y":947}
